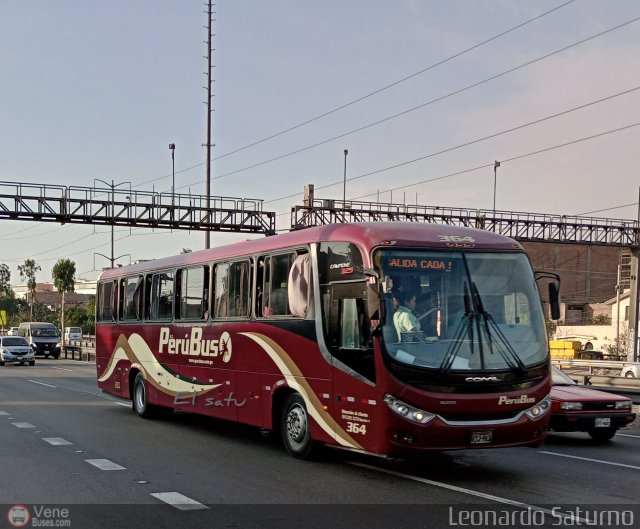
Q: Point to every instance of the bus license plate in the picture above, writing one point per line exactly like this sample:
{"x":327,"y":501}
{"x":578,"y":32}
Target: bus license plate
{"x":483,"y":437}
{"x":603,"y":422}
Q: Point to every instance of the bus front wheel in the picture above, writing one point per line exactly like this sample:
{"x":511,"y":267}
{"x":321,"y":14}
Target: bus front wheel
{"x":140,"y":399}
{"x":296,"y":427}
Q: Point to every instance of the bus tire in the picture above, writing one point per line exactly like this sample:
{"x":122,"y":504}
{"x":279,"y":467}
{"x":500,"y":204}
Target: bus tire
{"x":295,"y":426}
{"x":140,"y":400}
{"x":629,"y":374}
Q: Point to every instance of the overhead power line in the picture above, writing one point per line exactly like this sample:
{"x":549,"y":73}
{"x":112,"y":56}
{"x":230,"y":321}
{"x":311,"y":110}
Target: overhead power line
{"x":423,"y":105}
{"x":366,"y":96}
{"x":478,"y":140}
{"x":463,"y":171}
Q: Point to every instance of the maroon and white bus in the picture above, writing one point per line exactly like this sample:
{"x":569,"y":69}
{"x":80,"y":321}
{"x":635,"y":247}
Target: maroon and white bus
{"x":300,"y":333}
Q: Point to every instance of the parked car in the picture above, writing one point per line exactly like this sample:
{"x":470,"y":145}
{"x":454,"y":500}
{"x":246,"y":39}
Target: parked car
{"x":72,"y":334}
{"x":576,"y":408}
{"x":16,"y":350}
{"x":12,"y":332}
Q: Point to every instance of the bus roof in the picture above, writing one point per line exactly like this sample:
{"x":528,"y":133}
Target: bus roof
{"x":366,"y":235}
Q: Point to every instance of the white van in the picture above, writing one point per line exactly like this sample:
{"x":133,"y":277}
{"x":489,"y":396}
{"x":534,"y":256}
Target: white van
{"x":42,"y":336}
{"x":72,"y":334}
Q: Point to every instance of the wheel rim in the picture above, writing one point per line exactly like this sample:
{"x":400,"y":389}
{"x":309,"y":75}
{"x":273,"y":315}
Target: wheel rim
{"x":140,"y":396}
{"x":297,"y":426}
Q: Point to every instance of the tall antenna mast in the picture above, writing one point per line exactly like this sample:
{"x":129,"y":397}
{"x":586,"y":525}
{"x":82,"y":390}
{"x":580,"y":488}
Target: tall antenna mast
{"x":210,"y":50}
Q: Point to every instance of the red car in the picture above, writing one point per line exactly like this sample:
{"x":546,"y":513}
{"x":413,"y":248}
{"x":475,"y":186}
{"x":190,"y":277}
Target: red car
{"x":575,"y":408}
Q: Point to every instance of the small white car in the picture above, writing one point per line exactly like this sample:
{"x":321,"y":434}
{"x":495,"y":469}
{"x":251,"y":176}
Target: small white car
{"x":13,"y":331}
{"x":16,"y":350}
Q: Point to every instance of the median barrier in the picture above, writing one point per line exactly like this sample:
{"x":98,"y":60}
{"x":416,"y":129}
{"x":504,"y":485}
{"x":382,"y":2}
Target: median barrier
{"x":77,"y":352}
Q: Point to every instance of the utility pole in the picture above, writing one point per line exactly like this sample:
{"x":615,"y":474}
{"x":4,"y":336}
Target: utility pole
{"x":207,"y":236}
{"x":496,"y":164}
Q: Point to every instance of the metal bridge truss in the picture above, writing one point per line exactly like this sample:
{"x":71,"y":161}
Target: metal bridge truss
{"x":126,"y":207}
{"x":520,"y":226}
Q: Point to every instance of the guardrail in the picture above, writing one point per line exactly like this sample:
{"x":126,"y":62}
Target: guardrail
{"x":79,"y":349}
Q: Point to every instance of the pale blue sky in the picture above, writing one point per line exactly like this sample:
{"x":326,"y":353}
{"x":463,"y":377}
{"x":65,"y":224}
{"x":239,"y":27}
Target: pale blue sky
{"x":98,"y":89}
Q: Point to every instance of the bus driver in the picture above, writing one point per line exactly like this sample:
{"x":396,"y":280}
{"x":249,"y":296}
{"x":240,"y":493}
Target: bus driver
{"x":404,"y":319}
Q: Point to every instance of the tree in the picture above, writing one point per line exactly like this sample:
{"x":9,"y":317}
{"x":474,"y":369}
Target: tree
{"x":64,"y":278}
{"x":28,"y":271}
{"x":5,"y":282}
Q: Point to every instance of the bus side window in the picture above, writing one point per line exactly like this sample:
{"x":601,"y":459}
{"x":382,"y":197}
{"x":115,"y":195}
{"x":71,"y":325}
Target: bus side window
{"x":221,"y":294}
{"x":160,"y":298}
{"x":107,"y":297}
{"x":239,"y":288}
{"x":191,"y":289}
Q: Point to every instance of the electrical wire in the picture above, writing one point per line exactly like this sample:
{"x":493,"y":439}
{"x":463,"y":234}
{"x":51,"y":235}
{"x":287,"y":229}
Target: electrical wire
{"x":362,"y":98}
{"x":418,"y":107}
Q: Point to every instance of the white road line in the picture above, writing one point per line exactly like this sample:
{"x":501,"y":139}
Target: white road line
{"x":4,"y":413}
{"x":123,"y":404}
{"x":63,"y":369}
{"x":621,"y":435}
{"x":179,"y":501}
{"x":461,"y":490}
{"x":23,"y":425}
{"x":41,"y":383}
{"x":589,"y":459}
{"x":105,"y":464}
{"x":57,"y":441}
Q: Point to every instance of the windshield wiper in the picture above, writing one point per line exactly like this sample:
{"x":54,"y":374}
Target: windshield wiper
{"x":464,"y":327}
{"x":505,"y":349}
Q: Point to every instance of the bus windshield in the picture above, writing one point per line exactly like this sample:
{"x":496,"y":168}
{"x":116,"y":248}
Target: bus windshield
{"x":458,"y":311}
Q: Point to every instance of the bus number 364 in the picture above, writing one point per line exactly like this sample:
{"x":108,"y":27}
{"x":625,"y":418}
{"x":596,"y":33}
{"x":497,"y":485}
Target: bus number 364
{"x":354,"y":427}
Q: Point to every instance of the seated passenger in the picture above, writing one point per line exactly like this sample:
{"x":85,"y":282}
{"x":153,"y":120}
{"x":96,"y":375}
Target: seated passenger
{"x":404,"y":319}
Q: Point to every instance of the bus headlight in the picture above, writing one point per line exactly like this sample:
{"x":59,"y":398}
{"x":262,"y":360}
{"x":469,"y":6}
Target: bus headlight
{"x":540,"y":409}
{"x":408,"y":412}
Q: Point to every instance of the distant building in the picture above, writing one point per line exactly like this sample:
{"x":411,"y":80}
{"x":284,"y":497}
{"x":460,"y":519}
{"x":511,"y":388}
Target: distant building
{"x":47,"y":294}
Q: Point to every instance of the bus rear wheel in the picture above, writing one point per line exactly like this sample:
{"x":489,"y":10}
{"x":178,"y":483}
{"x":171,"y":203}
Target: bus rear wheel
{"x":295,"y":426}
{"x":141,"y":399}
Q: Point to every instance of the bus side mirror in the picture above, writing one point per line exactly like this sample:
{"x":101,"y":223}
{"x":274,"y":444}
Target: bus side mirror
{"x":554,"y":290}
{"x":554,"y":301}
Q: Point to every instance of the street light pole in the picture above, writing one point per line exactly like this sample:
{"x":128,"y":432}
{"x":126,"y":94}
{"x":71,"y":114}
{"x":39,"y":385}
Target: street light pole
{"x":113,"y":186}
{"x":172,"y":146}
{"x":344,"y":184}
{"x":495,"y":177}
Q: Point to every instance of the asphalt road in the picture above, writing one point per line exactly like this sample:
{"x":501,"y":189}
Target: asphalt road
{"x":87,"y":457}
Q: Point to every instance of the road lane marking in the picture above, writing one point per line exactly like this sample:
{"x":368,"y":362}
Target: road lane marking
{"x":123,"y":404}
{"x":63,"y":369}
{"x":469,"y":492}
{"x":628,"y":435}
{"x":23,"y":425}
{"x":41,"y":383}
{"x":105,"y":464}
{"x":4,"y":413}
{"x":57,"y":441}
{"x":179,"y":501}
{"x":589,"y":459}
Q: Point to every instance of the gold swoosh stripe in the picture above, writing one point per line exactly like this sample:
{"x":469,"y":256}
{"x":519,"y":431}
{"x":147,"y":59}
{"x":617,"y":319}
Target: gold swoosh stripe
{"x":136,"y":350}
{"x":297,"y":381}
